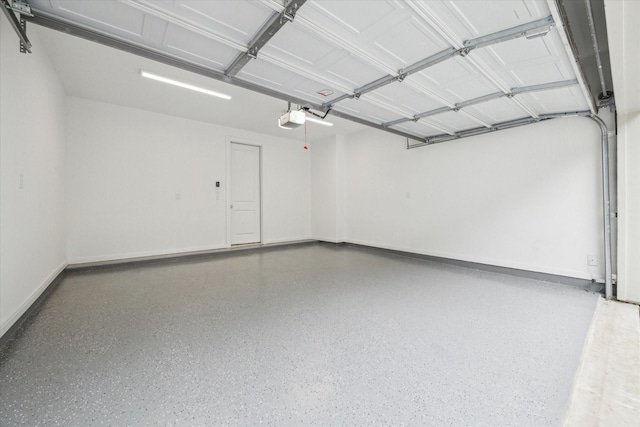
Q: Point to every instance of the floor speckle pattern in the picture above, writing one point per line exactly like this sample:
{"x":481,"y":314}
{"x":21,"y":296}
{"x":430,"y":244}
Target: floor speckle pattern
{"x":317,"y":334}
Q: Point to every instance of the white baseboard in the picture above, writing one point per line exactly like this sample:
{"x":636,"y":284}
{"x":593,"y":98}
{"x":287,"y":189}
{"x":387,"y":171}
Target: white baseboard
{"x":32,"y":298}
{"x":482,"y":260}
{"x":97,"y":261}
{"x":328,"y":239}
{"x":287,"y":240}
{"x":142,"y":254}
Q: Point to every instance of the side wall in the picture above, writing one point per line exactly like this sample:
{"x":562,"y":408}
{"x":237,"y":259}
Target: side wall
{"x":323,"y":189}
{"x":328,"y":189}
{"x":526,"y":198}
{"x":624,"y":42}
{"x":141,"y":183}
{"x":32,"y":168}
{"x":629,"y":207}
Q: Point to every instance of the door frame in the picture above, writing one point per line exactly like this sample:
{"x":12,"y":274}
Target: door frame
{"x":241,"y":141}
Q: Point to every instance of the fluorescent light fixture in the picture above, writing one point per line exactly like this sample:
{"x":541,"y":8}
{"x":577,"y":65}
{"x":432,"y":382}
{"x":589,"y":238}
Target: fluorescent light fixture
{"x":183,"y":85}
{"x":320,"y":122}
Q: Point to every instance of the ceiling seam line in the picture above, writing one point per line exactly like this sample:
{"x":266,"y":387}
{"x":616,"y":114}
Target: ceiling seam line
{"x":334,"y":40}
{"x":474,"y":118}
{"x":293,"y":68}
{"x":417,"y":86}
{"x":444,"y":32}
{"x":183,"y":24}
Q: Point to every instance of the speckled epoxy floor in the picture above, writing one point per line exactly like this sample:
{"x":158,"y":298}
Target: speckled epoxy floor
{"x":314,"y":334}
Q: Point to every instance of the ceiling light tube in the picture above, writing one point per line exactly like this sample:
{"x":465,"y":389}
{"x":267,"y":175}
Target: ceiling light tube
{"x":320,"y":122}
{"x":183,"y":85}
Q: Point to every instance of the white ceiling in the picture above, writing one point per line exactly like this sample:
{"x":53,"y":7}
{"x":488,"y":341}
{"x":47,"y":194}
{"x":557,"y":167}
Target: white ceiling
{"x":336,"y":45}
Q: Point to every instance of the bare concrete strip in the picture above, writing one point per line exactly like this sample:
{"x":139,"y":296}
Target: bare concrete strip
{"x":607,"y":386}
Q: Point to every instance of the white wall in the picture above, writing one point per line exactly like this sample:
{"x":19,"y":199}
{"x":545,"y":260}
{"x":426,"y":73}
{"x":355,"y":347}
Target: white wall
{"x":32,"y":145}
{"x":629,"y":207}
{"x":624,"y":42}
{"x":526,"y":198}
{"x":126,"y":166}
{"x":323,"y":188}
{"x":328,"y":189}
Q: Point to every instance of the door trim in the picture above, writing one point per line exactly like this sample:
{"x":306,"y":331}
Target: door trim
{"x":241,"y":141}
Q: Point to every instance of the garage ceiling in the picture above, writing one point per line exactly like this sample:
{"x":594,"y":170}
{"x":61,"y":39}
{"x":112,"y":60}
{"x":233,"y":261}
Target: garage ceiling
{"x":427,"y":70}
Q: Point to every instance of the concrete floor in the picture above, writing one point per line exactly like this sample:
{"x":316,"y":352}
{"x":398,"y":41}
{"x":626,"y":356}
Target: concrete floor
{"x":315,"y":334}
{"x":606,"y":391}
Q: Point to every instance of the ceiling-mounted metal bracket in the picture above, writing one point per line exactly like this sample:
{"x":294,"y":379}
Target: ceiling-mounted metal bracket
{"x":23,"y":25}
{"x":534,"y":34}
{"x":327,"y":108}
{"x":512,"y":33}
{"x":289,"y":12}
{"x":21,"y":7}
{"x":544,"y":86}
{"x":262,"y":37}
{"x":19,"y":26}
{"x":402,"y":74}
{"x":436,"y":139}
{"x":486,"y":98}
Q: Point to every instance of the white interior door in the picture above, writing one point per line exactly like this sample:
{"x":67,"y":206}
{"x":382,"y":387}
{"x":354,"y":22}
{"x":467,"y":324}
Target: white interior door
{"x":245,"y":194}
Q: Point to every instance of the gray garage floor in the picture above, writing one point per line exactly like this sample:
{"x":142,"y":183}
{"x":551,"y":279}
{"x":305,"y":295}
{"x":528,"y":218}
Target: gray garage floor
{"x":314,"y":334}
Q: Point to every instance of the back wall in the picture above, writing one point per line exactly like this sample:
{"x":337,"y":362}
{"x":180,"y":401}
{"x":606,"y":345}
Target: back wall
{"x":526,"y":198}
{"x":142,"y":183}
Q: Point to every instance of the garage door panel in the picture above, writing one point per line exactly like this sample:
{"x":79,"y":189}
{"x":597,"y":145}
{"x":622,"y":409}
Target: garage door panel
{"x":555,"y":101}
{"x":365,"y":110}
{"x":118,"y":18}
{"x":198,"y":48}
{"x":406,"y":97}
{"x":421,"y":128}
{"x":332,"y":48}
{"x":453,"y":120}
{"x":470,"y":19}
{"x":496,"y":111}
